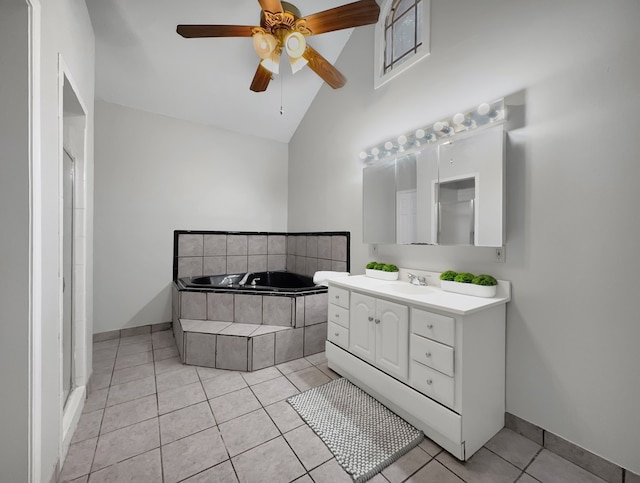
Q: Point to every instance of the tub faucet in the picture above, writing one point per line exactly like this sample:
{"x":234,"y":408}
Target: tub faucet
{"x":244,"y":279}
{"x":416,"y":280}
{"x":254,"y":281}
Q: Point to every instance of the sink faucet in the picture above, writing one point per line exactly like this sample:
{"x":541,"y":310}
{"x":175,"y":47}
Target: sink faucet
{"x":416,"y":280}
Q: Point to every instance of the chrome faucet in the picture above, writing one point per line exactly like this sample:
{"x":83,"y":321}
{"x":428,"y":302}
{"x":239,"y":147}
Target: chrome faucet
{"x":244,"y":279}
{"x":416,"y":280}
{"x":254,"y":281}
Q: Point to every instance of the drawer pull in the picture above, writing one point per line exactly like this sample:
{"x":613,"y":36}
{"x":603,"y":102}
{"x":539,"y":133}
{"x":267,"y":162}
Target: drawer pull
{"x":429,"y":326}
{"x":428,"y":354}
{"x":429,"y":382}
{"x":337,"y":316}
{"x":377,"y":321}
{"x":337,"y":297}
{"x":337,"y":334}
{"x":370,"y":319}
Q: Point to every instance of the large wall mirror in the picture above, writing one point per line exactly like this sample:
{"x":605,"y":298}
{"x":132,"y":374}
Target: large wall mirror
{"x":449,"y":192}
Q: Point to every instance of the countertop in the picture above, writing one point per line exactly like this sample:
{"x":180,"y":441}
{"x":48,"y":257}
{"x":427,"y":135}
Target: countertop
{"x":430,"y":297}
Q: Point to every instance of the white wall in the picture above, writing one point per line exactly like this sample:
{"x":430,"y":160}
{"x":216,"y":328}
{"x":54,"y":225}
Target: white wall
{"x":64,"y":29}
{"x":156,"y":174}
{"x":572,"y":192}
{"x":14,"y":240}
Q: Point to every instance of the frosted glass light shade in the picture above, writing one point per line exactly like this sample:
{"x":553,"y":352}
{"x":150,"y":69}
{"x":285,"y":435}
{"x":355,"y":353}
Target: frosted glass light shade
{"x":264,"y":44}
{"x":295,"y":45}
{"x":272,"y":63}
{"x":297,"y":64}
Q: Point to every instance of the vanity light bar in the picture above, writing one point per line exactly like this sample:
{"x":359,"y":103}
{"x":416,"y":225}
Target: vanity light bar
{"x":486,"y":114}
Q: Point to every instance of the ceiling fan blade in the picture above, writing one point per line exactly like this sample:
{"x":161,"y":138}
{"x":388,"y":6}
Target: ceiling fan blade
{"x":195,"y":31}
{"x":273,"y":6}
{"x":261,"y":79}
{"x":323,"y":68}
{"x":354,"y":14}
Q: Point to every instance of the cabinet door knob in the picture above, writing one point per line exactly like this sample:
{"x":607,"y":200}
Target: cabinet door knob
{"x":429,"y":382}
{"x":337,"y":334}
{"x":377,"y":321}
{"x":370,"y":319}
{"x":337,"y":296}
{"x":337,"y":316}
{"x":428,"y":354}
{"x":429,"y":326}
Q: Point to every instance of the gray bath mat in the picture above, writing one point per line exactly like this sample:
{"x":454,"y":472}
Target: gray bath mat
{"x":364,"y":436}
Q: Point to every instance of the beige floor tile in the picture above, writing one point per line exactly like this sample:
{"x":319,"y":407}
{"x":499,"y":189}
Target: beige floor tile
{"x":293,"y":366}
{"x":308,"y":378}
{"x":221,"y":473}
{"x":308,"y":447}
{"x":247,"y":431}
{"x":181,"y":377}
{"x":406,"y":465}
{"x":129,"y":391}
{"x":275,"y":390}
{"x":482,"y":467}
{"x":144,"y":468}
{"x":130,"y":360}
{"x":180,"y":397}
{"x":430,"y":447}
{"x":224,"y":384}
{"x":256,"y":377}
{"x":234,"y":404}
{"x":330,"y":472}
{"x":125,"y":443}
{"x":136,"y":348}
{"x":88,"y":426}
{"x":548,"y":467}
{"x":285,"y":417}
{"x":193,"y":454}
{"x":434,"y":472}
{"x":78,"y":461}
{"x":168,"y":365}
{"x":186,"y":421}
{"x":128,"y":413}
{"x":270,"y":462}
{"x":97,"y":399}
{"x":317,"y":359}
{"x":134,"y":373}
{"x":513,"y":447}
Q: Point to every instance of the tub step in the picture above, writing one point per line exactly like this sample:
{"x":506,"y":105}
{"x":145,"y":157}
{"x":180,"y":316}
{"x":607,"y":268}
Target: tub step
{"x":245,"y":347}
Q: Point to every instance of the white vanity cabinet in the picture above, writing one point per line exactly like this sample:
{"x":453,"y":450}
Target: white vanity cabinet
{"x":437,"y":359}
{"x":378,"y":333}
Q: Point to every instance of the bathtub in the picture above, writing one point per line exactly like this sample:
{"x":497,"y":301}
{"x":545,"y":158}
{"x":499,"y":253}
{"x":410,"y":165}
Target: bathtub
{"x":274,"y":281}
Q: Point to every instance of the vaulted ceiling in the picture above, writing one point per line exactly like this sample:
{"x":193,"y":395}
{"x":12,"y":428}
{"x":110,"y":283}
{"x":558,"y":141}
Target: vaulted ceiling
{"x":141,"y":62}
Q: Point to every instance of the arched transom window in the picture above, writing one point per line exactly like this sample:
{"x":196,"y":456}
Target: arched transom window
{"x":402,"y":37}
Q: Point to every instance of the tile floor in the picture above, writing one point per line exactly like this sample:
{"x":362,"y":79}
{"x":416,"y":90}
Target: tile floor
{"x":152,"y":419}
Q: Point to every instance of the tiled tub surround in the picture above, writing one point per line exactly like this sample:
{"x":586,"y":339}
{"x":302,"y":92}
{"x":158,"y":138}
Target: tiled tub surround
{"x":198,"y":253}
{"x":248,"y":331}
{"x":244,"y":330}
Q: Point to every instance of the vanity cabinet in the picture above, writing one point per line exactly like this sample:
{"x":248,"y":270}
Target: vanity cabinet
{"x":437,"y":360}
{"x":378,"y":333}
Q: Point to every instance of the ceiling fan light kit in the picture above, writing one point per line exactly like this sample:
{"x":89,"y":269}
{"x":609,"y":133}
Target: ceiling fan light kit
{"x":283,"y":28}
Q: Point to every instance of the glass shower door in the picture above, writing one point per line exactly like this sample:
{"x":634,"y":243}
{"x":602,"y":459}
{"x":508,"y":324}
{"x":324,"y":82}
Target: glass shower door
{"x":67,"y":273}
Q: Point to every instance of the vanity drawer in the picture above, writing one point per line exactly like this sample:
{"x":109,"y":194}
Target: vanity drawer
{"x":338,"y":335}
{"x":339,"y":316}
{"x":432,"y":354}
{"x":433,"y":326}
{"x":339,"y":296}
{"x":432,"y":383}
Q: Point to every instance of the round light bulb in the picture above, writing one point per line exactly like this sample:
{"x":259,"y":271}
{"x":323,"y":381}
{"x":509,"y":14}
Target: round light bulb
{"x":363,"y":155}
{"x":459,"y":119}
{"x":402,"y":140}
{"x":388,"y":145}
{"x":375,"y":151}
{"x":420,"y":133}
{"x":484,"y":109}
{"x":441,"y":127}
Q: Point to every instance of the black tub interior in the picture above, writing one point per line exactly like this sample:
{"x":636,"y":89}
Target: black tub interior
{"x":279,"y":280}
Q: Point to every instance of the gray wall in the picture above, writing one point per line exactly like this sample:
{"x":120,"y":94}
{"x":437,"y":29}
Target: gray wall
{"x":14,"y":240}
{"x":572,"y":192}
{"x":156,"y":174}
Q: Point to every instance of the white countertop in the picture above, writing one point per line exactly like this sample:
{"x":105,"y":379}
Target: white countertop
{"x":430,"y":297}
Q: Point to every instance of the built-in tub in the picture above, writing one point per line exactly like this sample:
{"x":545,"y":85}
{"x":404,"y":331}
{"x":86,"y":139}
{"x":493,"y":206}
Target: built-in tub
{"x":274,"y":281}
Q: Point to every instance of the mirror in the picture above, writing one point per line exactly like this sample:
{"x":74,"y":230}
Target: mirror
{"x":447,"y":193}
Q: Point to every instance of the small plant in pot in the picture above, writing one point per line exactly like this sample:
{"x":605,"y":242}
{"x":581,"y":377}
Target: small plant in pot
{"x":384,"y":271}
{"x":469,"y":284}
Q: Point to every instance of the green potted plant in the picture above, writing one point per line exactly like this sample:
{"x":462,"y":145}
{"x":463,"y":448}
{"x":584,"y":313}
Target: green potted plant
{"x":384,"y":271}
{"x":468,"y":284}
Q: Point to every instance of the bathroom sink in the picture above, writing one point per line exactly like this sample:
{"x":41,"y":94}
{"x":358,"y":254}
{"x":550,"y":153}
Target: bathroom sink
{"x":404,"y":288}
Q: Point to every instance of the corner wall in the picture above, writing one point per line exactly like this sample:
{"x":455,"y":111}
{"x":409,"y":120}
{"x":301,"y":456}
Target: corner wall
{"x":572,"y":195}
{"x":156,"y":174}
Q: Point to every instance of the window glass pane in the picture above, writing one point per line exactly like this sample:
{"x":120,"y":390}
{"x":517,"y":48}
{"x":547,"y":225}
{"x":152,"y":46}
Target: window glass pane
{"x":419,"y":25}
{"x":388,"y":48}
{"x":401,"y":7}
{"x":404,"y":34}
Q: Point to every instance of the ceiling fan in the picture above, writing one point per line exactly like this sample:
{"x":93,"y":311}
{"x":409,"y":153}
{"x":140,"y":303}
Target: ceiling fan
{"x":283,"y":29}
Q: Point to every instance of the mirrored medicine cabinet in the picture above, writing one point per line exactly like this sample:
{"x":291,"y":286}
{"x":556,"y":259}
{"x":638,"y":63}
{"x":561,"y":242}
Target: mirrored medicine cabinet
{"x":449,"y":192}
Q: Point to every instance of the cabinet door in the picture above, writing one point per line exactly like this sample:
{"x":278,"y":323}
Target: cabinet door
{"x":392,"y":338}
{"x":362,"y":327}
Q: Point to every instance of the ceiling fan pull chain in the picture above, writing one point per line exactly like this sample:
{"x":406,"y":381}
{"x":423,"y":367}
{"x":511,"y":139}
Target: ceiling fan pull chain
{"x":281,"y":94}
